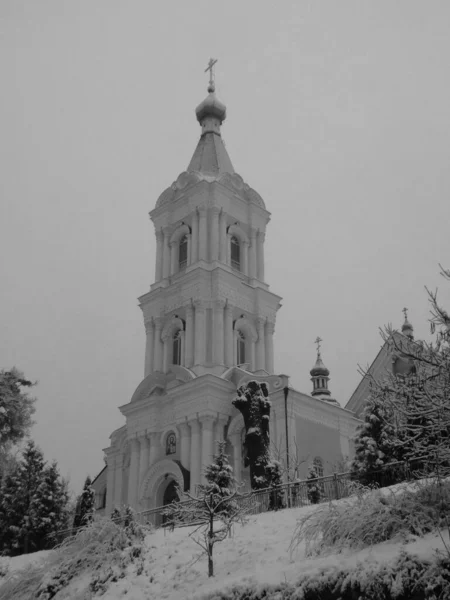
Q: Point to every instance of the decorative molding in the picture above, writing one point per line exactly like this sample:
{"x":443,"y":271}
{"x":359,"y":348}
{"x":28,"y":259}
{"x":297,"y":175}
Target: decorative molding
{"x":156,"y":475}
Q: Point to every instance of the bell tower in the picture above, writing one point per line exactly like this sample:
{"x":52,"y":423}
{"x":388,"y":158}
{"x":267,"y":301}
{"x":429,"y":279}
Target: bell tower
{"x":209,"y":307}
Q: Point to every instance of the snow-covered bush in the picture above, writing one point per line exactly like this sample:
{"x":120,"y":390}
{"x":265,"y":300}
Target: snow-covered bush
{"x":370,"y":518}
{"x":102,"y":548}
{"x":404,"y":578}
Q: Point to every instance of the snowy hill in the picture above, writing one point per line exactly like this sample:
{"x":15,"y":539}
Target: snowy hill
{"x":256,"y":554}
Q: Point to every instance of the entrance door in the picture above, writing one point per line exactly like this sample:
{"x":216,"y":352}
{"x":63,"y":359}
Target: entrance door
{"x":170,"y":493}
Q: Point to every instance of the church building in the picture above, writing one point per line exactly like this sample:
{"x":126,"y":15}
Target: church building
{"x":209,"y":322}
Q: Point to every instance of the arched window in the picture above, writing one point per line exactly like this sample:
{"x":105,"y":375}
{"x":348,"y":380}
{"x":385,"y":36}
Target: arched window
{"x":240,"y":348}
{"x":183,"y":252}
{"x":171,"y":444}
{"x":176,"y":352}
{"x":318,"y":465}
{"x":235,"y":253}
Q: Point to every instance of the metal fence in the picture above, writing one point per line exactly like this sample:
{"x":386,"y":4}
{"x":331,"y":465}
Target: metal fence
{"x":297,"y":493}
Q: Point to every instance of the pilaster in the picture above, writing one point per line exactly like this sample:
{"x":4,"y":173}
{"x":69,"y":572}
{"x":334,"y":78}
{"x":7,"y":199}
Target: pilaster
{"x":110,"y":481}
{"x":218,"y":332}
{"x":215,"y":233}
{"x":228,"y":327}
{"x":185,"y":445}
{"x":194,"y":241}
{"x":203,"y":234}
{"x":195,"y":454}
{"x":270,"y":329}
{"x":200,"y":332}
{"x":261,"y":238}
{"x":166,"y":254}
{"x":159,"y":255}
{"x":260,"y":344}
{"x":144,"y":459}
{"x":189,"y":346}
{"x":158,"y":352}
{"x":149,"y":346}
{"x":207,"y":422}
{"x":134,"y":472}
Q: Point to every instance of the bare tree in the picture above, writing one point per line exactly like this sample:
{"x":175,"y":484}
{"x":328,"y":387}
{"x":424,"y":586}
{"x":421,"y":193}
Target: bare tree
{"x":214,"y":511}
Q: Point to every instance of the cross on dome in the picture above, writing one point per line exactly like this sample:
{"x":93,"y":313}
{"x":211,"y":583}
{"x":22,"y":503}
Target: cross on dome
{"x":210,"y":68}
{"x":317,"y":341}
{"x":405,"y":312}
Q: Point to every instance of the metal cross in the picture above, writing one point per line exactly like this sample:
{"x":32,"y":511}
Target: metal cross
{"x":317,"y":341}
{"x":405,"y":312}
{"x":212,"y":62}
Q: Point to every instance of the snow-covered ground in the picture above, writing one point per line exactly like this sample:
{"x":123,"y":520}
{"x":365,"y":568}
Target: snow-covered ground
{"x":258,"y":553}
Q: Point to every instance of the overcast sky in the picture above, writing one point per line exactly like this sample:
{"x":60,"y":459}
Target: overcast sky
{"x":338,"y":115}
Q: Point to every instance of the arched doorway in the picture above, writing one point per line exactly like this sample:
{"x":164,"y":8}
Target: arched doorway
{"x":170,"y":493}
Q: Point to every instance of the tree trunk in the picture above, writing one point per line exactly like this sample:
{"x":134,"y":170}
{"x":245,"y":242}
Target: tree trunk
{"x":210,"y":542}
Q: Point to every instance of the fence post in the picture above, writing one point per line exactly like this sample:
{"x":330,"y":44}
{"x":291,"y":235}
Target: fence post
{"x":336,"y":485}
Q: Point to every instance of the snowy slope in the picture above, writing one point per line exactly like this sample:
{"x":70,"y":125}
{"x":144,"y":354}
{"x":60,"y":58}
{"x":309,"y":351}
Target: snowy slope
{"x":258,"y":553}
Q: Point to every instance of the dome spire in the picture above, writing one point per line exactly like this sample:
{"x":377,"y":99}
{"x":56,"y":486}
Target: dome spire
{"x":210,"y":157}
{"x":320,"y":376}
{"x":407,"y":328}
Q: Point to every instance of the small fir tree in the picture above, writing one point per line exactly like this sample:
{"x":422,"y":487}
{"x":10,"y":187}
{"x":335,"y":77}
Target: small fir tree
{"x":214,"y":510}
{"x":313,"y":487}
{"x":85,"y":505}
{"x":274,"y":476}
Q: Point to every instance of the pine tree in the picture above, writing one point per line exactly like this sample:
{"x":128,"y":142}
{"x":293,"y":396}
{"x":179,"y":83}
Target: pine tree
{"x":49,"y":507}
{"x":313,"y":487}
{"x":17,"y":521}
{"x":85,"y":505}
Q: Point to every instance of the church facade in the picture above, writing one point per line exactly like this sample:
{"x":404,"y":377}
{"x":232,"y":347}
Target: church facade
{"x":209,"y":322}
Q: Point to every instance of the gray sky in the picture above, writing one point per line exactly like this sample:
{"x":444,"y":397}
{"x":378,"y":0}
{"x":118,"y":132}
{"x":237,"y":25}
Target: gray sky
{"x":338,"y":115}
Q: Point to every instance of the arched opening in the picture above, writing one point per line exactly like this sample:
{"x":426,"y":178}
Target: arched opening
{"x":240,"y":349}
{"x":182,"y":253}
{"x":176,"y":348}
{"x":235,"y":251}
{"x":170,"y":493}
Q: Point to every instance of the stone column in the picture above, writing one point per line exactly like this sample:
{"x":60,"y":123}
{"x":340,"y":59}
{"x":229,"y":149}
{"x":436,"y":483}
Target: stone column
{"x":218,"y":333}
{"x":251,"y":359}
{"x":159,"y":255}
{"x":237,"y":456}
{"x":228,"y":336}
{"x":183,"y":349}
{"x":134,"y":473}
{"x":244,"y":267}
{"x":200,"y":333}
{"x":260,"y":344}
{"x":195,"y":454}
{"x":189,"y":248}
{"x":185,"y":445}
{"x":270,"y":328}
{"x":207,"y":422}
{"x":261,"y":238}
{"x":202,"y":234}
{"x":117,"y":500}
{"x":149,"y":347}
{"x":189,"y":339}
{"x":252,"y":253}
{"x":166,"y":254}
{"x":158,"y":351}
{"x":215,"y":233}
{"x":223,"y":237}
{"x":194,"y":241}
{"x":173,"y":257}
{"x":143,"y":462}
{"x":166,"y":352}
{"x":110,"y":481}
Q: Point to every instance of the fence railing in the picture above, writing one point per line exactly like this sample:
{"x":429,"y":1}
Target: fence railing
{"x":294,"y":494}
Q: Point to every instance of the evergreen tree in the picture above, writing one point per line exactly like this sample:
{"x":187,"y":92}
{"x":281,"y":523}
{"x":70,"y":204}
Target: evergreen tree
{"x":20,"y":488}
{"x":85,"y":505}
{"x":274,"y":476}
{"x":314,"y":490}
{"x":376,"y":439}
{"x":49,"y":507}
{"x":219,"y":474}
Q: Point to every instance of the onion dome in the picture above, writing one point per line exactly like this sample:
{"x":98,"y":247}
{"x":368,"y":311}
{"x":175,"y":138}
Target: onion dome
{"x":407,"y":328}
{"x":319,"y":368}
{"x":210,"y":157}
{"x":211,"y":107}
